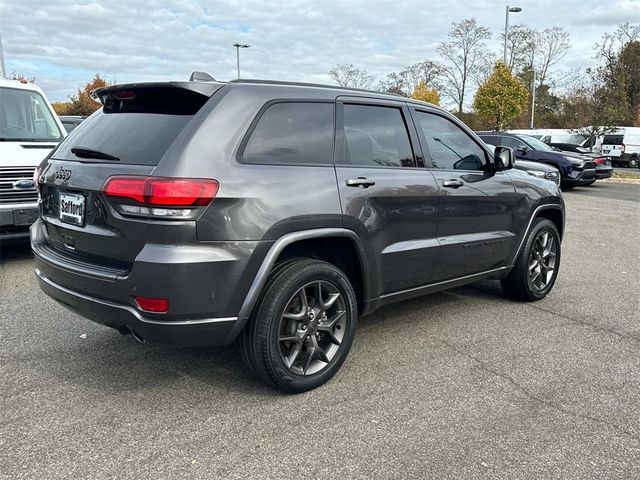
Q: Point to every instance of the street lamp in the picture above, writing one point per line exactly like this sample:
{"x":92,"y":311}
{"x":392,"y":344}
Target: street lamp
{"x":506,"y":27}
{"x":238,"y":47}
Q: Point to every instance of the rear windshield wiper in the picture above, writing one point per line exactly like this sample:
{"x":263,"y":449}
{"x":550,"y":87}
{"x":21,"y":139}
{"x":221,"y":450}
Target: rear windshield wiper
{"x":88,"y":153}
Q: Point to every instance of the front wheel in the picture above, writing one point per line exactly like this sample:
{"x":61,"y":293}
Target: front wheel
{"x":536,"y":267}
{"x":303,"y":326}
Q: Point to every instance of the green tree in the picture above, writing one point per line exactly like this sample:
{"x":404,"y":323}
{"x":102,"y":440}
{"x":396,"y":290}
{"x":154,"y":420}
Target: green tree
{"x":501,"y":98}
{"x":425,"y":94}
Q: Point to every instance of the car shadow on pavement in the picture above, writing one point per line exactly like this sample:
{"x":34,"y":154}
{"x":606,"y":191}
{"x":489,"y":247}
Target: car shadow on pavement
{"x":11,"y":250}
{"x":108,"y":362}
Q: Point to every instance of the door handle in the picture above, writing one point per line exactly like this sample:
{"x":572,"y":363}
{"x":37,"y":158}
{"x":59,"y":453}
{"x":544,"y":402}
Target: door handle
{"x":361,"y":182}
{"x":452,"y":183}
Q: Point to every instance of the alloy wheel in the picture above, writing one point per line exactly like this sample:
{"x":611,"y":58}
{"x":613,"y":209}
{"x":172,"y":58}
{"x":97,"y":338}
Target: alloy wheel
{"x":312,"y":328}
{"x":542,"y":260}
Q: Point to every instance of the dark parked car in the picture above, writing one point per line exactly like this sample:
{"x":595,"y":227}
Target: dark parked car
{"x":275,"y":214}
{"x":602,"y":162}
{"x":71,"y":121}
{"x":535,"y":169}
{"x":574,"y":169}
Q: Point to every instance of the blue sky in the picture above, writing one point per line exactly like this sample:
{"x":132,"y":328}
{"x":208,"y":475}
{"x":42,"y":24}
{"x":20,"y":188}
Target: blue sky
{"x":64,"y":43}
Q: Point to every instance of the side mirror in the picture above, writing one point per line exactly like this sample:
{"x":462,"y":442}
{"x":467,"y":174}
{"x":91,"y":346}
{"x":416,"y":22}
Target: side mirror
{"x":503,"y":158}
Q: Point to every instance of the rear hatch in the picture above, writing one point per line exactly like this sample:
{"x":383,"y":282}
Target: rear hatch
{"x":127,"y":137}
{"x":613,"y":145}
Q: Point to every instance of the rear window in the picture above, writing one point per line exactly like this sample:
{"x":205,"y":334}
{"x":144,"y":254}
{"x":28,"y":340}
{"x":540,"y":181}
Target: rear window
{"x":137,"y":129}
{"x":613,"y":140}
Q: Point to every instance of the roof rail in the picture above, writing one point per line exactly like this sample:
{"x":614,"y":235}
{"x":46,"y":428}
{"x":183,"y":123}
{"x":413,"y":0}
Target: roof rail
{"x":316,"y":85}
{"x":201,"y":77}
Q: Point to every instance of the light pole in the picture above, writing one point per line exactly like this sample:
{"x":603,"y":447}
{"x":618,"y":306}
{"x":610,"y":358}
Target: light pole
{"x":533,"y":96}
{"x":238,"y":47}
{"x":506,"y":27}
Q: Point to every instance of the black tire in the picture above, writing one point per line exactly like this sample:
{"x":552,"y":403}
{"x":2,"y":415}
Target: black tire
{"x":260,"y":341}
{"x":590,"y":182}
{"x":566,"y":188}
{"x":633,"y":162}
{"x":518,"y":284}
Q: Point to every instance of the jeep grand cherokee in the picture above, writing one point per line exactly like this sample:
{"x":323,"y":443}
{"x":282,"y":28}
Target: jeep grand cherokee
{"x":276,"y":214}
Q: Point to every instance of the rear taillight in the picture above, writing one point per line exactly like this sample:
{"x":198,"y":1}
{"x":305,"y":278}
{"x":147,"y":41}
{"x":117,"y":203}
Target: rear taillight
{"x":623,"y":147}
{"x":178,"y":196}
{"x":599,"y":161}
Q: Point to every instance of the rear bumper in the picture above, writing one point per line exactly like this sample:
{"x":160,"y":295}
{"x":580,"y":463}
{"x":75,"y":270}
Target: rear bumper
{"x":205,"y":284}
{"x":201,"y":332}
{"x":605,"y":172}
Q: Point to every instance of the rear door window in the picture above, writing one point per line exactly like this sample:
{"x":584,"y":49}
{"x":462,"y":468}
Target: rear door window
{"x":292,"y":133}
{"x":376,"y":136}
{"x":137,"y":130}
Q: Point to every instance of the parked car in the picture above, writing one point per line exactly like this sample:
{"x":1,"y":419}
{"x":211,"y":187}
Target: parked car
{"x":29,"y":130}
{"x":71,"y":121}
{"x":276,"y":214}
{"x":574,"y":169}
{"x":535,"y":169}
{"x":623,"y":146}
{"x":602,"y":162}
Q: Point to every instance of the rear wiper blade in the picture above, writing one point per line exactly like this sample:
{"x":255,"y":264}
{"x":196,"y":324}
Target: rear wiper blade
{"x":88,"y":153}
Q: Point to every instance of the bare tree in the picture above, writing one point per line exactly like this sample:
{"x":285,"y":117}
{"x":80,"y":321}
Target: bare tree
{"x":405,"y":81}
{"x":521,"y":45}
{"x":552,"y":45}
{"x":347,"y":75}
{"x":464,"y":56}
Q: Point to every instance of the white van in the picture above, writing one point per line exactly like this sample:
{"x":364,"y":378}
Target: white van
{"x":29,"y":130}
{"x":622,"y":145}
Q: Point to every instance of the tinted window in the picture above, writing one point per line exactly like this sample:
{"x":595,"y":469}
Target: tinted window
{"x":376,"y":137}
{"x":292,"y":133}
{"x":449,"y":146}
{"x":613,"y":140}
{"x":491,"y":139}
{"x":138,"y":129}
{"x":512,"y":142}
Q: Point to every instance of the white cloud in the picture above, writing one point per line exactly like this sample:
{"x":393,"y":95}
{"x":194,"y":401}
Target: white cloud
{"x":63,"y":44}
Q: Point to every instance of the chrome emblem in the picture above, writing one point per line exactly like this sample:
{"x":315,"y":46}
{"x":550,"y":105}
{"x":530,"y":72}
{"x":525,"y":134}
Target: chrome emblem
{"x":24,"y":184}
{"x":62,"y":174}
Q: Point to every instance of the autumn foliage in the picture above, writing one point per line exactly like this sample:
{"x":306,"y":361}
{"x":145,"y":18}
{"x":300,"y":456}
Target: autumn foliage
{"x":501,"y":98}
{"x":425,"y":94}
{"x":81,"y":102}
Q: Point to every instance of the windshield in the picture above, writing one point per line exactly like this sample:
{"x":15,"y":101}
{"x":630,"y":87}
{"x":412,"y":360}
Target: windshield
{"x":25,"y":116}
{"x":535,"y":143}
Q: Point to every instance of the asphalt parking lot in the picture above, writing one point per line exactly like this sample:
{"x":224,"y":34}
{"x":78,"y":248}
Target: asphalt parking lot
{"x":463,"y":384}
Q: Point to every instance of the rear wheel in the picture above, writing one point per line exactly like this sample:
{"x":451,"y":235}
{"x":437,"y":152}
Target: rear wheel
{"x":633,"y":162}
{"x":303,"y":326}
{"x":536,"y":268}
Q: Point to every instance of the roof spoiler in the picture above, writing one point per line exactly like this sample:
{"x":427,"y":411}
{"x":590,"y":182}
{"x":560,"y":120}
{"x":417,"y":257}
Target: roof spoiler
{"x":201,"y":77}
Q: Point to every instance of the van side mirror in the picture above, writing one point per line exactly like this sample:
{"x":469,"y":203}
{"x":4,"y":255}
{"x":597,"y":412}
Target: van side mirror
{"x":503,"y":158}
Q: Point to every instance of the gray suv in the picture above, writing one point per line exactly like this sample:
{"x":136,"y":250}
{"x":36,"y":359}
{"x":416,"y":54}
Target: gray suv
{"x":275,"y":214}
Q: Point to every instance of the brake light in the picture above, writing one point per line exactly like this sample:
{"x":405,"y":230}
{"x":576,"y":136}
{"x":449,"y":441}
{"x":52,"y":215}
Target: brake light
{"x":125,"y":95}
{"x":623,"y":147}
{"x":155,"y":305}
{"x":599,"y":161}
{"x":171,"y":192}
